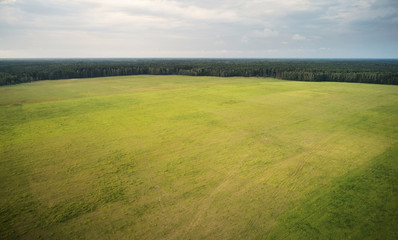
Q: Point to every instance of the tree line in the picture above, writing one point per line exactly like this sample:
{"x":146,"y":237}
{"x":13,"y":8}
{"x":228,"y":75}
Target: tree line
{"x":363,"y":71}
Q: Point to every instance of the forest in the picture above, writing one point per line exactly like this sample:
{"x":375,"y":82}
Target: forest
{"x":14,"y":71}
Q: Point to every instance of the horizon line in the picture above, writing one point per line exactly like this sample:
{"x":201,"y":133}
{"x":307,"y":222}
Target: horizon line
{"x":191,"y":58}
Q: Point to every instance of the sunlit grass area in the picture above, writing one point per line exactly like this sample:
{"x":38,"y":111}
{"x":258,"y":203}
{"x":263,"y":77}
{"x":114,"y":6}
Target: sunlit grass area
{"x":178,"y":157}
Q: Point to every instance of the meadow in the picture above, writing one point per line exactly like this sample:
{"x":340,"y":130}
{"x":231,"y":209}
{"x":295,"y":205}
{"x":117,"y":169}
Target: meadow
{"x":180,"y":157}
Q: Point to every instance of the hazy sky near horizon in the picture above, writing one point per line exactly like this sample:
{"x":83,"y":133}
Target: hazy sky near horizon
{"x":199,"y":28}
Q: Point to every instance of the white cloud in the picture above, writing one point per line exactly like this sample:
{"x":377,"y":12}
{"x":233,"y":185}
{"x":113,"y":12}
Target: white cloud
{"x":266,"y":33}
{"x":298,"y":37}
{"x":129,"y":27}
{"x":7,"y":1}
{"x":7,"y":53}
{"x":244,"y":39}
{"x":168,"y":8}
{"x":345,"y":12}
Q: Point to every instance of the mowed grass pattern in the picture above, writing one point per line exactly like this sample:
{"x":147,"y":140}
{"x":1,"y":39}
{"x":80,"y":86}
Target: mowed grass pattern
{"x":177,"y":157}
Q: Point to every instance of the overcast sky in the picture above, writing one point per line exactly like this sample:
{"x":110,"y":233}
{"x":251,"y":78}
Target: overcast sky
{"x":199,"y":28}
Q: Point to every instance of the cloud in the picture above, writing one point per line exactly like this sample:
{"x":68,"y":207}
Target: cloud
{"x":7,"y":1}
{"x":298,"y":37}
{"x":58,"y":28}
{"x":345,"y":12}
{"x":266,"y":33}
{"x":165,"y":8}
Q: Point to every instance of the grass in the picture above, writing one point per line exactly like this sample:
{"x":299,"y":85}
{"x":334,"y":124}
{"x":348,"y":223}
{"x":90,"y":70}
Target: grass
{"x":177,"y":157}
{"x":361,"y":204}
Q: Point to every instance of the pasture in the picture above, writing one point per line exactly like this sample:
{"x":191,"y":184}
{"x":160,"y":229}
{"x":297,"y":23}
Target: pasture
{"x":179,"y":157}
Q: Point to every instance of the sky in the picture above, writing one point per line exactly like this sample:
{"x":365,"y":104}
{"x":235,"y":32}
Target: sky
{"x":199,"y":28}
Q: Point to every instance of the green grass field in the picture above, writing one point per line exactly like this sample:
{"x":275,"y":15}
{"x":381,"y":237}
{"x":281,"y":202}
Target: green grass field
{"x":178,"y":157}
